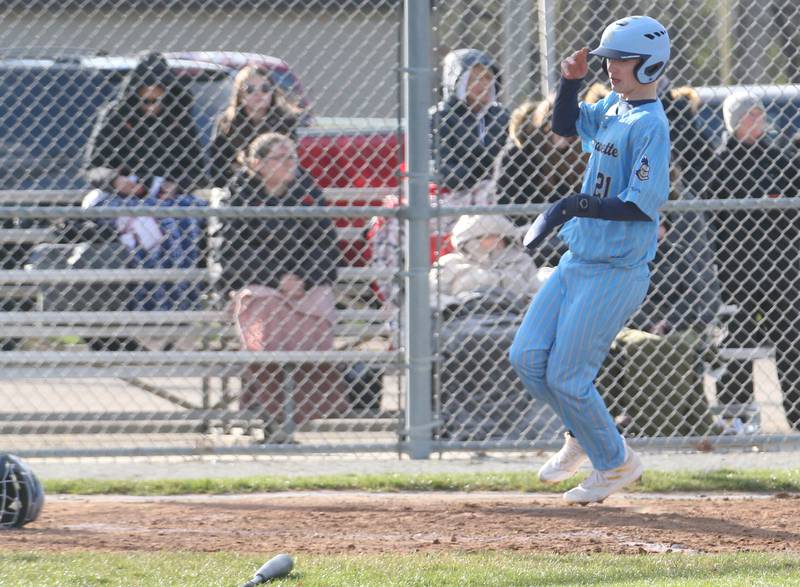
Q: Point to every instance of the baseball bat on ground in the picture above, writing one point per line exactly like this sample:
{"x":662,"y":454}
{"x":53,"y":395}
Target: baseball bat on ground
{"x":275,"y":568}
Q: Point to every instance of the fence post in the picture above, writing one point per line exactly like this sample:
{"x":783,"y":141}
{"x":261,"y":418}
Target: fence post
{"x":417,"y":323}
{"x":547,"y":47}
{"x":517,"y":51}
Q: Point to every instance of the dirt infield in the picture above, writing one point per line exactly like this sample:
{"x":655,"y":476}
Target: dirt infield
{"x":371,"y":523}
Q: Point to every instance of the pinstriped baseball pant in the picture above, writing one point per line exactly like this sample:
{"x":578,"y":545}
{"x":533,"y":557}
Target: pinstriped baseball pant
{"x":565,"y":337}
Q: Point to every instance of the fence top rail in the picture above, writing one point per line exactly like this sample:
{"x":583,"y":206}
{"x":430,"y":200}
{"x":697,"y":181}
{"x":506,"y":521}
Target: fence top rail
{"x":50,"y":276}
{"x":75,"y":197}
{"x":32,"y":197}
{"x":156,"y":317}
{"x":16,"y":277}
{"x":58,"y":212}
{"x":26,"y":235}
{"x":45,"y":359}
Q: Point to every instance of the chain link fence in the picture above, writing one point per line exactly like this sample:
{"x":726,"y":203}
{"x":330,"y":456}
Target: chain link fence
{"x":712,"y":352}
{"x":205,"y":228}
{"x":186,"y":188}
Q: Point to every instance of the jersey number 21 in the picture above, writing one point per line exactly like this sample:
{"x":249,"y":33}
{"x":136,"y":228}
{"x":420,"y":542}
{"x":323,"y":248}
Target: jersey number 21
{"x":602,"y":186}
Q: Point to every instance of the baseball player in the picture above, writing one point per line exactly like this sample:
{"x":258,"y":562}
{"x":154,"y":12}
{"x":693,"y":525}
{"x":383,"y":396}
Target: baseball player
{"x":611,"y":229}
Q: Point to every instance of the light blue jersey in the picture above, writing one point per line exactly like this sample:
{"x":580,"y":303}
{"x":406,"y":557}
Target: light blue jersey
{"x":629,"y":160}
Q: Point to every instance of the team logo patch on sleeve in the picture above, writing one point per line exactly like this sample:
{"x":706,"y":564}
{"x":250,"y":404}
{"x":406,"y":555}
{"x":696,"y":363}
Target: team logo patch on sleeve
{"x":643,"y":173}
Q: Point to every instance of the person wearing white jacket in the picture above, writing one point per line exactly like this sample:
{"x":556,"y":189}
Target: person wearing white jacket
{"x":486,"y":257}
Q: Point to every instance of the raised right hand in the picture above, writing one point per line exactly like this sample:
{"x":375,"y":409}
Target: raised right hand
{"x":576,"y":66}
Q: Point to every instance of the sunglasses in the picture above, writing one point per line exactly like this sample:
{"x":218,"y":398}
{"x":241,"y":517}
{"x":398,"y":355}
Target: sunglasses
{"x":151,"y":101}
{"x":264,"y":88}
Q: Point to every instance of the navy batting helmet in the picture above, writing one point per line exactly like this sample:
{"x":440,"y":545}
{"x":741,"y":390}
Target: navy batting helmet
{"x":21,"y":494}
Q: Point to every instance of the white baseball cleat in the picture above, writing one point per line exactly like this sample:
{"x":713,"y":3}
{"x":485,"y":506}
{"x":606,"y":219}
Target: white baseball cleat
{"x":600,"y":484}
{"x":565,"y":463}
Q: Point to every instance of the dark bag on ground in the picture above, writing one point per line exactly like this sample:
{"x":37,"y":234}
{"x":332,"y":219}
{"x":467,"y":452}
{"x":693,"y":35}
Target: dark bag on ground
{"x":654,"y":384}
{"x":364,"y":387}
{"x":282,"y":394}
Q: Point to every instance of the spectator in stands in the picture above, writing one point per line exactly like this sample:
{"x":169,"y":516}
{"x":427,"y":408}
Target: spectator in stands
{"x":690,"y":149}
{"x":486,"y":257}
{"x":684,"y":293}
{"x":481,"y":288}
{"x":149,"y":242}
{"x":279,"y":272}
{"x":257,"y":106}
{"x":757,"y":250}
{"x":469,"y":127}
{"x":291,"y":255}
{"x":149,"y":131}
{"x":537,"y":166}
{"x":653,"y":379}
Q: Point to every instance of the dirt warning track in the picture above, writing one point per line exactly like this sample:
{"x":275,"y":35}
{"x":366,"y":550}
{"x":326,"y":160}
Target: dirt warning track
{"x":371,"y":523}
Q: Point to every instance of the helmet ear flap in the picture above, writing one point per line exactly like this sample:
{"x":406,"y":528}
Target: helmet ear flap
{"x":648,"y":72}
{"x":651,"y":70}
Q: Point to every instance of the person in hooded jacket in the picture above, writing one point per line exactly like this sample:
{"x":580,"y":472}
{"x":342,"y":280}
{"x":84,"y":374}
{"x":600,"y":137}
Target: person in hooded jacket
{"x":149,"y":131}
{"x":757,"y":251}
{"x":257,"y":106}
{"x":469,"y":128}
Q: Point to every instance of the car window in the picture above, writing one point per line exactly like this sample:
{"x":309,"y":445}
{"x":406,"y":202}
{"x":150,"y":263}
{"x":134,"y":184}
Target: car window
{"x":290,"y":86}
{"x":46,"y":119}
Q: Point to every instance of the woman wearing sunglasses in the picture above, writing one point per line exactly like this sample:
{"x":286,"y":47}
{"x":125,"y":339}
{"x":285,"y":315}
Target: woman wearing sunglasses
{"x":257,"y":106}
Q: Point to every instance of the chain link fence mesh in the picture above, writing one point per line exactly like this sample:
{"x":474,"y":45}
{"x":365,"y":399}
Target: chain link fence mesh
{"x":176,"y":279}
{"x":143,"y":319}
{"x":713,"y":350}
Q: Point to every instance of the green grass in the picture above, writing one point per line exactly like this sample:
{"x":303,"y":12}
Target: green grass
{"x":439,"y":570}
{"x":763,"y":481}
